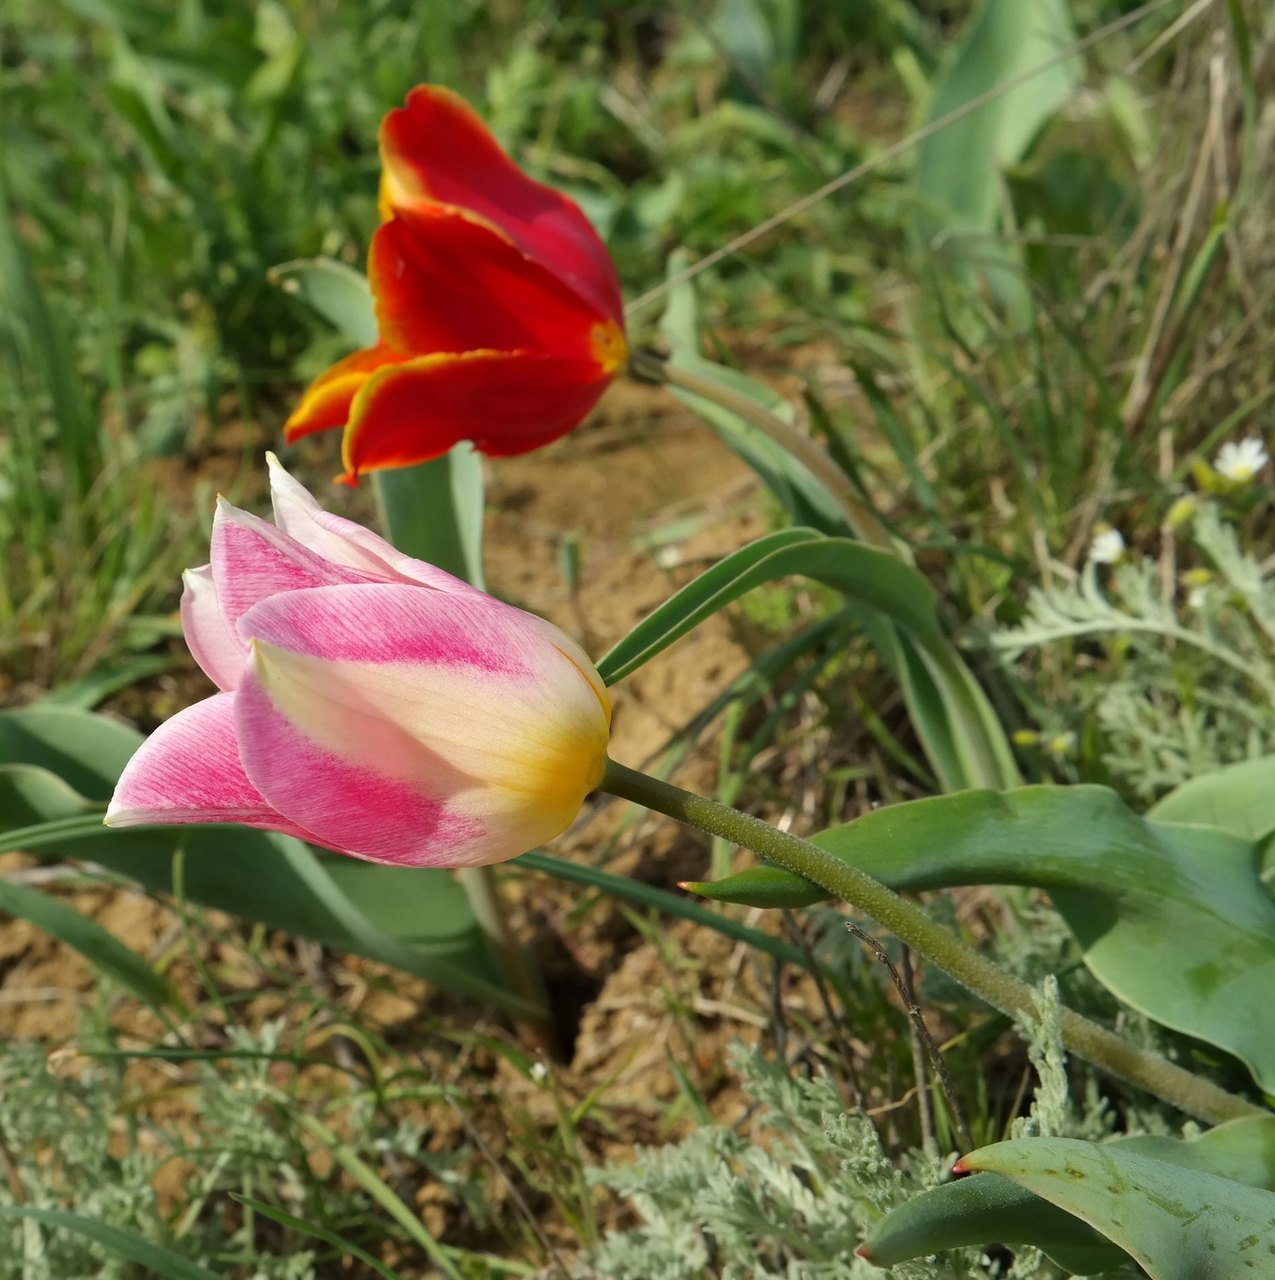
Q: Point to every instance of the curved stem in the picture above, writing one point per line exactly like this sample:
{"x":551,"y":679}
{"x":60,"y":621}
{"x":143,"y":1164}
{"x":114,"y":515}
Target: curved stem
{"x":974,"y":971}
{"x":865,"y":522}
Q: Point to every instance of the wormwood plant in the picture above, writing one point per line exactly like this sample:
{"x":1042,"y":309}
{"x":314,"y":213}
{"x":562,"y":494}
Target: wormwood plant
{"x":794,"y":1193}
{"x":1175,"y":667}
{"x":71,"y":1141}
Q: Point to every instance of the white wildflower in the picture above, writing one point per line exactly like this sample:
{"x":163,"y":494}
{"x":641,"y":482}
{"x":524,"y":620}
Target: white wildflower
{"x":1107,"y":546}
{"x":1239,"y":463}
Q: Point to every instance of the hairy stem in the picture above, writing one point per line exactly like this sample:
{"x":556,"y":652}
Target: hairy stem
{"x":974,"y":971}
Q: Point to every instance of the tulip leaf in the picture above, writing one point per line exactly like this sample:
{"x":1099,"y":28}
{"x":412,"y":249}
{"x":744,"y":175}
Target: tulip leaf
{"x":58,"y":766}
{"x":872,"y":577}
{"x":157,"y":1260}
{"x":1239,"y":799}
{"x":1176,"y":1223}
{"x":1173,"y":919}
{"x":958,"y":174}
{"x":992,"y":1209}
{"x":338,"y":293}
{"x":434,"y":511}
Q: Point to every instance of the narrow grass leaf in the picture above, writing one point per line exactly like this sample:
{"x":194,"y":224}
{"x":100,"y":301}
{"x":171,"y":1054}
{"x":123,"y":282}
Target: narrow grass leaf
{"x":156,"y":1260}
{"x":97,"y":945}
{"x":318,"y":1232}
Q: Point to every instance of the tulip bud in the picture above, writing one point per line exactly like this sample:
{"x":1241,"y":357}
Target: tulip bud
{"x":370,"y":702}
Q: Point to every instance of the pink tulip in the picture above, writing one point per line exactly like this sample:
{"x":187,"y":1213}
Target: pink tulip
{"x":370,"y":702}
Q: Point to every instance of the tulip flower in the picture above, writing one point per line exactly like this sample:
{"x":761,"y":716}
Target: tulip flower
{"x":498,"y":307}
{"x":368,"y":702}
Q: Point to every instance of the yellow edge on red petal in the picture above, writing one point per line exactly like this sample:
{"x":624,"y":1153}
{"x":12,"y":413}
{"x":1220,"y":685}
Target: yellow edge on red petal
{"x":340,"y":388}
{"x":350,"y":476}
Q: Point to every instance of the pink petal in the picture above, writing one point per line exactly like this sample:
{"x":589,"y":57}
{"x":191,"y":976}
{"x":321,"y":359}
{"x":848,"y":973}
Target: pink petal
{"x":418,"y":728}
{"x":210,"y":638}
{"x":252,"y":560}
{"x":189,"y":770}
{"x":343,"y":542}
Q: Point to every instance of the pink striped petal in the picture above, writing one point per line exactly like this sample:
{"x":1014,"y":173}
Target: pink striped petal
{"x":209,"y":636}
{"x":252,"y":560}
{"x":343,"y":542}
{"x":418,"y":728}
{"x":189,"y":770}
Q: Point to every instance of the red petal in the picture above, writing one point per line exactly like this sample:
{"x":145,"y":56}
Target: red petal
{"x":506,"y":402}
{"x":326,"y":402}
{"x":444,"y":282}
{"x":435,"y":148}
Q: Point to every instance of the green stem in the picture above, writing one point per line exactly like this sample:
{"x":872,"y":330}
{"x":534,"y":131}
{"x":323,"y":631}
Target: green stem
{"x":865,"y":522}
{"x":974,"y":971}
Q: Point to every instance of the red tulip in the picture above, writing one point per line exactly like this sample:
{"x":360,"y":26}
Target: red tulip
{"x":499,"y":309}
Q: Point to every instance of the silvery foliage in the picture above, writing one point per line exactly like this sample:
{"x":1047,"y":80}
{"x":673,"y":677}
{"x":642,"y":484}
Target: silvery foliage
{"x":77,"y":1144}
{"x":793,"y":1196}
{"x":1185,"y":681}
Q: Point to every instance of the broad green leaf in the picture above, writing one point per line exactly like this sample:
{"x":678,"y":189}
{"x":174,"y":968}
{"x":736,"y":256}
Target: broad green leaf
{"x":958,"y":174}
{"x":1239,"y":799}
{"x":1173,"y":919}
{"x":157,"y":1261}
{"x":434,"y":511}
{"x":337,"y":292}
{"x":991,"y":1209}
{"x":97,"y":945}
{"x":1176,"y":1223}
{"x":75,"y":757}
{"x":863,"y":573}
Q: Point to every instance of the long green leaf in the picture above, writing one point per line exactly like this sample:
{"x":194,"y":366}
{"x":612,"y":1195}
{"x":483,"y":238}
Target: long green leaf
{"x":992,"y":1209}
{"x":645,"y":895}
{"x":863,"y":573}
{"x":801,"y":493}
{"x":156,"y":1260}
{"x":959,"y":171}
{"x":1173,"y":919}
{"x":97,"y":945}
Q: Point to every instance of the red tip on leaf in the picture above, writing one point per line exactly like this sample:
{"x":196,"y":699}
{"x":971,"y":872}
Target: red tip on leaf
{"x":960,"y":1169}
{"x":863,"y":1252}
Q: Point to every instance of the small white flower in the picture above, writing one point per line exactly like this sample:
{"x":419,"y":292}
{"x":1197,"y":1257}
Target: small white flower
{"x":1107,"y":546}
{"x":539,"y":1072}
{"x":1241,"y":462}
{"x":1197,"y":598}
